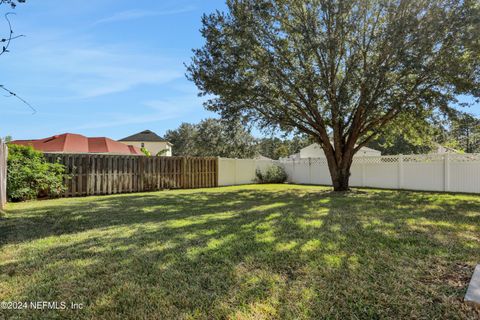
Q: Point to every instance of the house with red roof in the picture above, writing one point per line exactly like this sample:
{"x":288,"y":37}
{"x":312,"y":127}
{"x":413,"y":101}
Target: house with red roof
{"x":77,"y":143}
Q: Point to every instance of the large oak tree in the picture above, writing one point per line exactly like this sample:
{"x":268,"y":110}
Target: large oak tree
{"x":339,"y":71}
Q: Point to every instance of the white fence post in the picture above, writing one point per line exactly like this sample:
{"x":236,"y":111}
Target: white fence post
{"x":293,"y":170}
{"x":309,"y":170}
{"x":449,"y":173}
{"x":235,"y":171}
{"x":362,"y":168}
{"x":400,"y":171}
{"x":446,"y":172}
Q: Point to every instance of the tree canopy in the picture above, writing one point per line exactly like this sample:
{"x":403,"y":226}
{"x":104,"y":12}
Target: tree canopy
{"x":349,"y":67}
{"x":459,"y":130}
{"x":212,"y":137}
{"x":464,"y":132}
{"x":275,"y":147}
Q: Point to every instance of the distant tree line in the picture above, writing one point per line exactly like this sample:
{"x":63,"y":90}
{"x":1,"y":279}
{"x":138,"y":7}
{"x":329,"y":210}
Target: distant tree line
{"x":217,"y":137}
{"x":212,"y":137}
{"x":458,"y":130}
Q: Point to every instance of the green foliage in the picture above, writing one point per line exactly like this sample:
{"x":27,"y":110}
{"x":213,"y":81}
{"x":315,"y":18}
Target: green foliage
{"x":183,"y":139}
{"x":275,"y":148}
{"x":399,"y":145}
{"x":410,"y":134}
{"x":457,"y":130}
{"x":273,"y":174}
{"x":30,"y":175}
{"x":161,"y":152}
{"x":464,"y":133}
{"x":145,"y":151}
{"x":212,"y":138}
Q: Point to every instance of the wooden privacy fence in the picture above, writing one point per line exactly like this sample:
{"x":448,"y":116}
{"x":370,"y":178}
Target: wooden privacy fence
{"x":3,"y":173}
{"x":98,"y":174}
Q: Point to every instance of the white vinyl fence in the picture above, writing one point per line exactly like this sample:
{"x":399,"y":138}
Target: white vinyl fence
{"x":240,"y":171}
{"x":435,"y":172}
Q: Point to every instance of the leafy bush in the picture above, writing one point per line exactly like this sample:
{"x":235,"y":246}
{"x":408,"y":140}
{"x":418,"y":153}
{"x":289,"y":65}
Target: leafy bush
{"x":145,"y":151}
{"x":273,"y":174}
{"x":30,"y":176}
{"x":162,"y":152}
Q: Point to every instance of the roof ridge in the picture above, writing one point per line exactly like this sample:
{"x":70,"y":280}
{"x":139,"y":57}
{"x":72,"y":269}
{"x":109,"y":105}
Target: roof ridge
{"x":145,"y":135}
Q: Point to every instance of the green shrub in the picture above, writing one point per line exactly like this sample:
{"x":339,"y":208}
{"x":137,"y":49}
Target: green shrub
{"x":145,"y":151}
{"x":162,"y":152}
{"x":30,"y":176}
{"x":273,"y":174}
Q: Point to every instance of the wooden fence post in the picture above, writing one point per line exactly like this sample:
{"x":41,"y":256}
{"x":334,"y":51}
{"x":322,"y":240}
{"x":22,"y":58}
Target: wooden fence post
{"x":109,"y":174}
{"x":3,"y":174}
{"x":184,"y":172}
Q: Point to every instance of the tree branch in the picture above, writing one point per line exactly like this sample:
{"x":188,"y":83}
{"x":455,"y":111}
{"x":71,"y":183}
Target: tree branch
{"x":10,"y":35}
{"x":13,"y":94}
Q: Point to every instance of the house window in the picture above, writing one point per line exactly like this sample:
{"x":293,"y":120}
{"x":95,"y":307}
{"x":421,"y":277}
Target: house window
{"x":143,"y":145}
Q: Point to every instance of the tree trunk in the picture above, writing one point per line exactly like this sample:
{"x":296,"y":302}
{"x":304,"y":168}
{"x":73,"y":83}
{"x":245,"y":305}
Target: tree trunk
{"x":340,"y":179}
{"x":339,"y":169}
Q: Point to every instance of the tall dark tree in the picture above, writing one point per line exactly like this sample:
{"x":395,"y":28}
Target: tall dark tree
{"x":183,"y":139}
{"x":346,"y":67}
{"x":225,"y":139}
{"x":465,"y":132}
{"x":275,"y":147}
{"x":211,"y":138}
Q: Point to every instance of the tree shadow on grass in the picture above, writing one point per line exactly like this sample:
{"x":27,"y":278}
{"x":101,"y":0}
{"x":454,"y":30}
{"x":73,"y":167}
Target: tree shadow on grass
{"x":244,"y":253}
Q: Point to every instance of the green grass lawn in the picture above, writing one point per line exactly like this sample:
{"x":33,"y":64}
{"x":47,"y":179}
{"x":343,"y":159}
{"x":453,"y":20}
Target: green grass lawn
{"x":250,"y":252}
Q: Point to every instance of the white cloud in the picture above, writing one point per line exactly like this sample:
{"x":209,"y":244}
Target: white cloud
{"x":82,"y":70}
{"x":137,"y":14}
{"x":158,"y":110}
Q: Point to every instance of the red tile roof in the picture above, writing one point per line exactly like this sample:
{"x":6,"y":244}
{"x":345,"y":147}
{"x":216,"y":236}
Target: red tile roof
{"x":76,"y":143}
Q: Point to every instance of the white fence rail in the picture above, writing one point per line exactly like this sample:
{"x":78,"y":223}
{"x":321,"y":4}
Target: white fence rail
{"x":240,"y":171}
{"x":445,"y":172}
{"x":436,"y":172}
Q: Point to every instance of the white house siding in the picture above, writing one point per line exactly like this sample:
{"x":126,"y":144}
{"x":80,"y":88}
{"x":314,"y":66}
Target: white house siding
{"x":315,"y":151}
{"x":153,"y":147}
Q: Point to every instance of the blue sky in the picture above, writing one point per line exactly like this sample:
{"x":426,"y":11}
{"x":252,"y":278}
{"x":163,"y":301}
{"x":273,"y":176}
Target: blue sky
{"x":103,"y":68}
